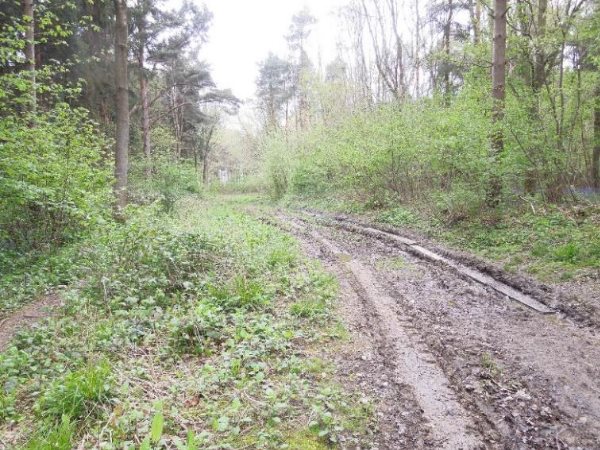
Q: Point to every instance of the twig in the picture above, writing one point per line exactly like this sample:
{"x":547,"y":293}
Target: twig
{"x":530,"y":204}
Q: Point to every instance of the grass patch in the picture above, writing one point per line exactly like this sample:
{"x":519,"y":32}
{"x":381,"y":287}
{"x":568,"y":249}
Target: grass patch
{"x":392,"y":263}
{"x":304,"y":440}
{"x":59,"y":437}
{"x":78,"y":394}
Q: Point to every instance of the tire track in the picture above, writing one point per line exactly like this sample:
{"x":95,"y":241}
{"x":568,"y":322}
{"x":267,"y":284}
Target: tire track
{"x":449,"y":424}
{"x":534,"y":377}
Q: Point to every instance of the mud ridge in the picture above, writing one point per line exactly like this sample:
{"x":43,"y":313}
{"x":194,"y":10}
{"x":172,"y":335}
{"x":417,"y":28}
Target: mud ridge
{"x":529,"y":380}
{"x":540,"y":389}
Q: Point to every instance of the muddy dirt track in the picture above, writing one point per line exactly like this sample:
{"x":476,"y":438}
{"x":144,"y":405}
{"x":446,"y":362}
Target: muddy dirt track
{"x":453,"y":363}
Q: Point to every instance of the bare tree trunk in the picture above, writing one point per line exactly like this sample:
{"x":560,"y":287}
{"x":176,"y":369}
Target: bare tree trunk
{"x":596,"y":151}
{"x":28,"y":13}
{"x":417,"y":51}
{"x":146,"y":124}
{"x":537,"y":81}
{"x":122,"y":106}
{"x":447,"y":30}
{"x":205,"y":170}
{"x":206,"y":152}
{"x":498,"y":94}
{"x":539,"y":72}
{"x":475,"y":16}
{"x":389,"y":68}
{"x":144,"y":98}
{"x":176,"y":121}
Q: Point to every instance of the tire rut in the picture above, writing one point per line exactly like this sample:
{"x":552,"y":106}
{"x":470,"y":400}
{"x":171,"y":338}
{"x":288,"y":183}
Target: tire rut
{"x":445,"y":422}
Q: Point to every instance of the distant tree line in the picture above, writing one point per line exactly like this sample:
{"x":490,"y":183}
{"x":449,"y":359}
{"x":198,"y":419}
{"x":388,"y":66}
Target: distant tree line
{"x":528,"y":69}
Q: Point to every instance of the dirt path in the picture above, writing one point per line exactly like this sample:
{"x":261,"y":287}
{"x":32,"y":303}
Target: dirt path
{"x":485,"y":371}
{"x":26,"y":316}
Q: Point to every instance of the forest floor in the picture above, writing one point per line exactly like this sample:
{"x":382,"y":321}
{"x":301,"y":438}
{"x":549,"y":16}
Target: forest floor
{"x":458,"y":364}
{"x":250,"y":344}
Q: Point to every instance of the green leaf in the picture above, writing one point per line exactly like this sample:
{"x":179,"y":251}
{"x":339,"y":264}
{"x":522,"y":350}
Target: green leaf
{"x":221,"y":424}
{"x":191,"y":441}
{"x":158,"y":422}
{"x":145,"y":444}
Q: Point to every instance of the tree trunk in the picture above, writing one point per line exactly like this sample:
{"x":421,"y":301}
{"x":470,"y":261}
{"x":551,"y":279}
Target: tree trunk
{"x":122,"y":106}
{"x":144,"y":100}
{"x":475,"y":12}
{"x":538,"y":80}
{"x":28,"y":14}
{"x":176,"y":122}
{"x":539,"y":71}
{"x":146,"y":124}
{"x":206,"y":152}
{"x":498,"y":95}
{"x":447,"y":30}
{"x":417,"y":55}
{"x":596,"y":151}
{"x":205,"y":170}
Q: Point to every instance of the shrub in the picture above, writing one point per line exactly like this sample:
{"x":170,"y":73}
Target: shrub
{"x":147,"y":262}
{"x":166,"y":181}
{"x":460,"y":203}
{"x":54,"y":182}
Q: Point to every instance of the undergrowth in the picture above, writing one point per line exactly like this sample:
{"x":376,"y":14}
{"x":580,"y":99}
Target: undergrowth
{"x":188,"y":331}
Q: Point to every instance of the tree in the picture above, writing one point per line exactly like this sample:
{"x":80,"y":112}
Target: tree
{"x":206,"y":135}
{"x":446,"y":18}
{"x":159,"y":37}
{"x":387,"y":45}
{"x":121,"y":105}
{"x":359,"y":69}
{"x":28,"y":14}
{"x":498,"y":94}
{"x":141,"y":21}
{"x":300,"y":30}
{"x":590,"y":50}
{"x":274,"y":89}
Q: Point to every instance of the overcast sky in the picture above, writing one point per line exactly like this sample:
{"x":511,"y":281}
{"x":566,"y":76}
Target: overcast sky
{"x":244,"y":31}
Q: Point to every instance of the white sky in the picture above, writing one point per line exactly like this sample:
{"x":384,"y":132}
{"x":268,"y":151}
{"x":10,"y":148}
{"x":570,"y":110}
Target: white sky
{"x":244,"y":31}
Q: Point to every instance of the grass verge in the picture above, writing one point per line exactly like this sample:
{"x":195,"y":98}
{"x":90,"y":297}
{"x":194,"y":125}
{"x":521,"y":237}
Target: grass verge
{"x":551,"y":243}
{"x":202,"y":330}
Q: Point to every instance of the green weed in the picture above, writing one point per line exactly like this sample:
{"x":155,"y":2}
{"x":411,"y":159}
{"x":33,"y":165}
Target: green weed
{"x":309,"y":308}
{"x":208,"y":307}
{"x":59,"y":437}
{"x":568,"y":253}
{"x":78,"y":394}
{"x":198,"y":331}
